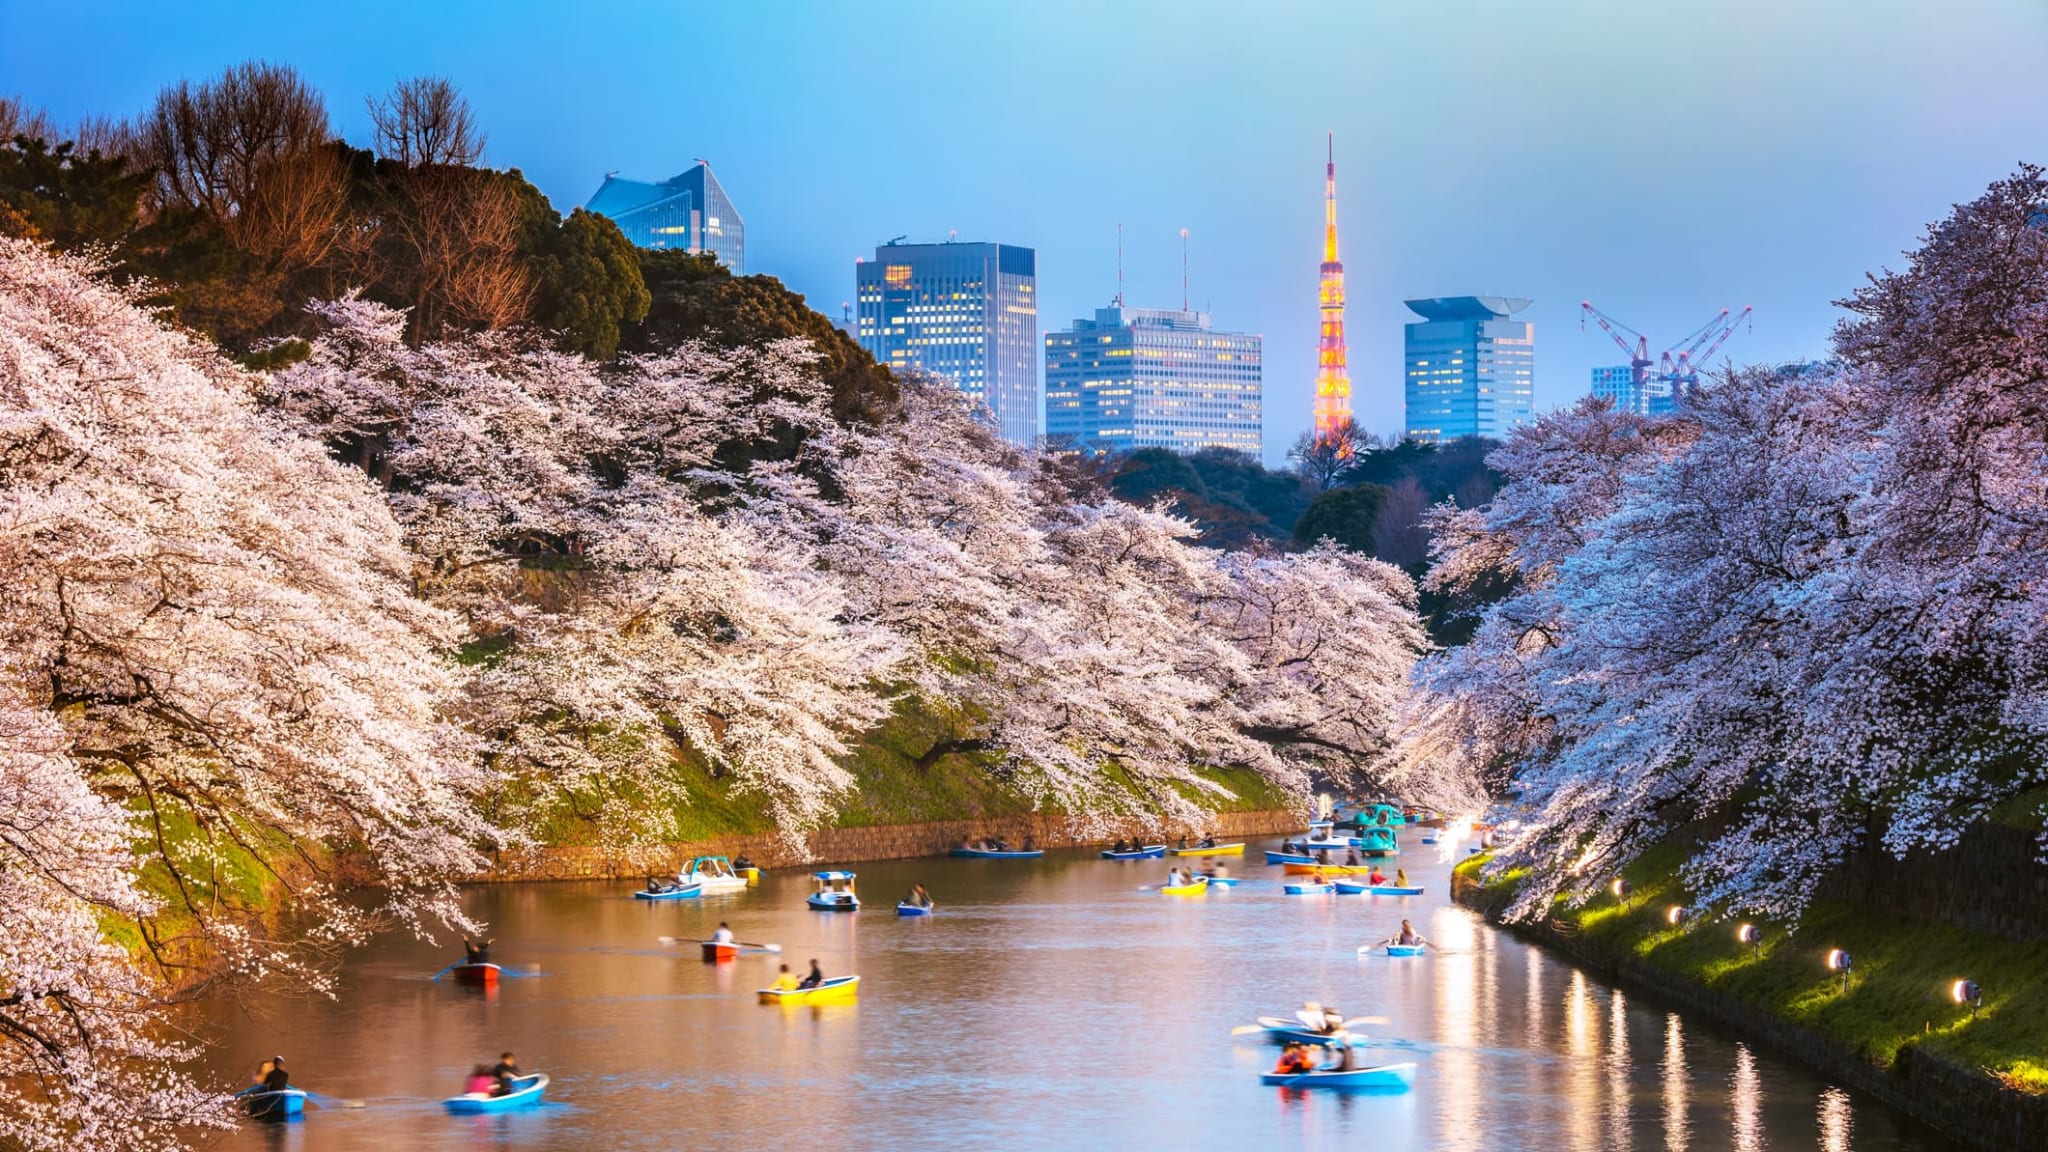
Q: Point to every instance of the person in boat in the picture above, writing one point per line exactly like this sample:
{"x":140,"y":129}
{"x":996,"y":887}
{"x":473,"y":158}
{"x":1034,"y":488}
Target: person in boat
{"x":1409,"y":937}
{"x":262,"y":1074}
{"x":816,"y":977}
{"x":480,"y":1081}
{"x":1351,"y":858}
{"x":475,"y":953}
{"x":1294,"y":1060}
{"x":1183,"y":842}
{"x":656,"y":887}
{"x":1222,"y":871}
{"x":1209,"y":867}
{"x":277,"y":1079}
{"x":1400,"y":878}
{"x":723,"y":935}
{"x":1208,"y":841}
{"x":919,"y":898}
{"x":1377,"y":878}
{"x":1030,"y":844}
{"x":740,"y":863}
{"x":503,"y":1073}
{"x":785,"y":981}
{"x":1343,"y":1059}
{"x":1118,"y":846}
{"x":1311,"y":1015}
{"x":1333,"y":1020}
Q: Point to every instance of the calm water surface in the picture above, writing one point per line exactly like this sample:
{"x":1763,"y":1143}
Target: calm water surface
{"x":1048,"y":1005}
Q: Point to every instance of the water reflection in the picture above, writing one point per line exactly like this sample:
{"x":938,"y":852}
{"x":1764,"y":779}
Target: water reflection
{"x":1677,"y":1085}
{"x":1047,"y":1006}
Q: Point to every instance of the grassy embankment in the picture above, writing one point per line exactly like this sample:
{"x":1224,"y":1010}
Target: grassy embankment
{"x":1898,"y":989}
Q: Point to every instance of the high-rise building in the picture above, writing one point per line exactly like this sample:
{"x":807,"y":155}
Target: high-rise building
{"x":1651,"y":397}
{"x":1471,"y":370}
{"x":1333,"y":378}
{"x":1152,"y":378}
{"x":966,"y":312}
{"x":689,"y":211}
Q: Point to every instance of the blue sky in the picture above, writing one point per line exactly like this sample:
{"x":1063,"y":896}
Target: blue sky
{"x":1663,"y":160}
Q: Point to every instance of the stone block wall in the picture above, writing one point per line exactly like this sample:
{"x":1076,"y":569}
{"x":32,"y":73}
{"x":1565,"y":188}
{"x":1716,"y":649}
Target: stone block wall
{"x":1991,"y":882}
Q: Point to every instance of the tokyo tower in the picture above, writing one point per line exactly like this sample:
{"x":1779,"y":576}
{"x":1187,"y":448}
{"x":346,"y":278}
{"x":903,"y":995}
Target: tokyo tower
{"x":1333,"y":381}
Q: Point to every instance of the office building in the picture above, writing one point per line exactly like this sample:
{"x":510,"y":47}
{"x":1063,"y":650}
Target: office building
{"x":689,"y":211}
{"x":964,"y":312}
{"x":1152,"y":378}
{"x":1471,"y":368}
{"x":1652,"y":396}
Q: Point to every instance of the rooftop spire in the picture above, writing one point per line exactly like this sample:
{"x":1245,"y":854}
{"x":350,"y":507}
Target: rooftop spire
{"x":1333,"y":378}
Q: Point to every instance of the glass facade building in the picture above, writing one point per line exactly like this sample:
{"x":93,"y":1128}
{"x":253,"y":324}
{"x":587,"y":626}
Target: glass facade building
{"x":1471,"y":369}
{"x":1652,"y":397}
{"x":1152,"y":378}
{"x":689,"y":211}
{"x":965,"y":312}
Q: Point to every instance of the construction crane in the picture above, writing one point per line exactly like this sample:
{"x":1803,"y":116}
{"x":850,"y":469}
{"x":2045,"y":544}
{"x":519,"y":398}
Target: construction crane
{"x":1678,"y":365}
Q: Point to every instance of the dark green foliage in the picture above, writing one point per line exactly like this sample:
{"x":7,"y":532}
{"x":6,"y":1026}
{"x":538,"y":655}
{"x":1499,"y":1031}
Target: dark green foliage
{"x":587,"y":284}
{"x":697,"y":298}
{"x":1454,"y":471}
{"x":68,"y":199}
{"x":1234,"y":499}
{"x":1345,"y":515}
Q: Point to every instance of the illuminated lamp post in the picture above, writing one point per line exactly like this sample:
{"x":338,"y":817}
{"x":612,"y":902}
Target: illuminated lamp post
{"x":1753,"y":936}
{"x":1967,"y":992}
{"x":1621,"y":889}
{"x":1676,"y":915}
{"x":1840,"y":961}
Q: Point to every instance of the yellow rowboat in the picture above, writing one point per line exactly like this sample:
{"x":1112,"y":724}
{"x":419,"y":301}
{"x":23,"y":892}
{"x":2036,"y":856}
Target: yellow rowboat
{"x":1198,"y":888}
{"x":1218,"y":850}
{"x":1328,"y":869}
{"x":838,"y":990}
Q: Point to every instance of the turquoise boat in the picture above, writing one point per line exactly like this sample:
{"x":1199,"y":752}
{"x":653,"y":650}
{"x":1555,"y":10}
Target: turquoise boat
{"x":282,"y":1104}
{"x":904,"y":908}
{"x":1385,"y":1078}
{"x":1310,"y":889}
{"x":834,"y":892}
{"x":526,"y":1090}
{"x":1149,"y":852}
{"x":992,"y":854}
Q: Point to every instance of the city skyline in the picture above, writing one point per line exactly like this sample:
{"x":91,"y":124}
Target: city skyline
{"x":1793,"y":165}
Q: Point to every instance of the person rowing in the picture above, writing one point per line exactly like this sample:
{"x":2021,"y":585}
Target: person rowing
{"x":1409,"y":937}
{"x":918,"y":898}
{"x":723,"y":935}
{"x":1351,"y":858}
{"x":740,"y":863}
{"x":270,"y":1077}
{"x":504,"y":1074}
{"x":1377,"y":878}
{"x":1118,"y":846}
{"x":816,"y":977}
{"x":1208,"y":841}
{"x":475,"y":953}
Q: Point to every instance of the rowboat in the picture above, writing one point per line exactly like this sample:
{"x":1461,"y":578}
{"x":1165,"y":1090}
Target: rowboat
{"x":716,"y":951}
{"x":1273,"y":857}
{"x":278,"y":1105}
{"x":525,"y":1090}
{"x":1281,"y":1030}
{"x":750,"y":874}
{"x":834,"y":892}
{"x":713,"y":874}
{"x":837,"y":990}
{"x":1199,"y":887}
{"x":1334,"y":844}
{"x":1430,"y":838}
{"x":679,"y":892}
{"x":1149,"y":852}
{"x":1330,"y":869}
{"x":1404,"y":949}
{"x":1392,"y":890}
{"x":1309,"y":889}
{"x":482,"y":975}
{"x":992,"y":854}
{"x":1212,"y":850}
{"x":1385,"y":1078}
{"x":905,"y":908}
{"x":1222,"y":881}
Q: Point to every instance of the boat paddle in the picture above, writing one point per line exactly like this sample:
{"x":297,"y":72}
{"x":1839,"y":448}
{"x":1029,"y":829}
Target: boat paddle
{"x":1248,"y":1029}
{"x":672,"y":941}
{"x":448,"y":969}
{"x":326,"y":1101}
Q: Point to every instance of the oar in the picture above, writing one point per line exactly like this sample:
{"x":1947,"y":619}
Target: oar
{"x":448,"y":969}
{"x":1247,"y":1029}
{"x":1364,"y":1020}
{"x":672,"y":941}
{"x":326,"y":1101}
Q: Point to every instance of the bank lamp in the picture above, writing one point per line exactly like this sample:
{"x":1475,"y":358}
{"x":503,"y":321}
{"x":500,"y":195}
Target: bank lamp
{"x":1751,"y":935}
{"x":1967,"y":992}
{"x":1840,"y":961}
{"x":1620,"y":888}
{"x":1675,"y":915}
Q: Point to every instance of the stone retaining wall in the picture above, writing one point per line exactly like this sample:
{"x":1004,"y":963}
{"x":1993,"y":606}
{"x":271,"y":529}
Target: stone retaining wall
{"x":847,"y":845}
{"x":1992,"y":882}
{"x":1964,"y":1104}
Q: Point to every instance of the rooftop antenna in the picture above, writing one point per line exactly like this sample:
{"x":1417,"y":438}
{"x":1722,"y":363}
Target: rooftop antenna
{"x":1119,"y":265}
{"x":1183,"y":269}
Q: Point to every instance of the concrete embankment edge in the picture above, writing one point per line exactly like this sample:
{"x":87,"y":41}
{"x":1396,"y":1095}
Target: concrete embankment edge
{"x":1965,"y":1105}
{"x":851,"y":845}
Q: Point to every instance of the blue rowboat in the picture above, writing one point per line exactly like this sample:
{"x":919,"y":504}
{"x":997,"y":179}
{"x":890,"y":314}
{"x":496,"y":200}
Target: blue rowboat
{"x":526,"y":1090}
{"x":1391,"y":890}
{"x":1385,"y":1078}
{"x":1404,"y":949}
{"x":907,"y":909}
{"x":992,"y":854}
{"x":1281,"y":1030}
{"x":279,"y":1105}
{"x":1273,"y":857}
{"x":1310,"y":889}
{"x":1222,"y":881}
{"x":680,"y":892}
{"x":1349,"y":888}
{"x":1152,"y":852}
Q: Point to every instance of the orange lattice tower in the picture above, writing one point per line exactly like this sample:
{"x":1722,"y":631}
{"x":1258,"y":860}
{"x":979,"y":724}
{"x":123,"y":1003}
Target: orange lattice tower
{"x":1333,"y":380}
